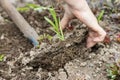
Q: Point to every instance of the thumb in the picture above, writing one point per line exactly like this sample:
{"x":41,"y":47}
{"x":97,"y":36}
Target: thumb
{"x":67,"y":17}
{"x":90,"y":43}
{"x":65,"y":21}
{"x":98,"y":39}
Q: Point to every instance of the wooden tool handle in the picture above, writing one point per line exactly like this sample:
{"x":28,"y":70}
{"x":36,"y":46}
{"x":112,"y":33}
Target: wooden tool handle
{"x":18,"y":19}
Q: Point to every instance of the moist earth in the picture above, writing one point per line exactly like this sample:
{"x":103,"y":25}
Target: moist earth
{"x":56,"y":59}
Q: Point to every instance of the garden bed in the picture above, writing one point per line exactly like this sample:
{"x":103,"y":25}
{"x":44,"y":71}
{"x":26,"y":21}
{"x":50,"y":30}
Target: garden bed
{"x":56,"y":59}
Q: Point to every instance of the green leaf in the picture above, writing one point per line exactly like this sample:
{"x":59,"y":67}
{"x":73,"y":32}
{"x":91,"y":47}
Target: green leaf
{"x":40,"y":37}
{"x":53,"y":13}
{"x":55,"y":24}
{"x":49,"y":21}
{"x":100,"y":15}
{"x":23,"y":9}
{"x":33,"y":6}
{"x":1,"y":57}
{"x":61,"y":31}
{"x":49,"y":37}
{"x":55,"y":31}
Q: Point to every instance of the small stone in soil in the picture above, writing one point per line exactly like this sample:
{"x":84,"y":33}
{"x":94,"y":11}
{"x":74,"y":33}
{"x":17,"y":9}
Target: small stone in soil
{"x":83,"y":64}
{"x":70,"y":27}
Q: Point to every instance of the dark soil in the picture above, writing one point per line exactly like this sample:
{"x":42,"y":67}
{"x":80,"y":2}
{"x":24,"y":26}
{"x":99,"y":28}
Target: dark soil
{"x":56,"y":60}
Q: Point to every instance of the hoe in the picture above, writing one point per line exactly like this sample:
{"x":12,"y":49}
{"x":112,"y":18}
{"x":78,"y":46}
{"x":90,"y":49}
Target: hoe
{"x":21,"y":23}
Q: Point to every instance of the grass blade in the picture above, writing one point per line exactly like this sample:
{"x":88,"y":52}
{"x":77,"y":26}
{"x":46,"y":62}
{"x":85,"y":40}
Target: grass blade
{"x":61,"y":31}
{"x":49,"y":21}
{"x":53,"y":13}
{"x":100,"y":15}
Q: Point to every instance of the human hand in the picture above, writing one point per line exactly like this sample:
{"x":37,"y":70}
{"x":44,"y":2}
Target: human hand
{"x":81,"y":10}
{"x":95,"y":37}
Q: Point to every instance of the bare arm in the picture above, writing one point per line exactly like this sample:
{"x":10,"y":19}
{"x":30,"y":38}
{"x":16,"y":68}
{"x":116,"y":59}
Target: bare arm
{"x":80,"y":7}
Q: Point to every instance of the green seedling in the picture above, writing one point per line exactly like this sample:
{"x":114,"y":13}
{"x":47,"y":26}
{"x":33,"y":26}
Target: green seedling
{"x":112,"y":71}
{"x":1,"y":57}
{"x":31,"y":6}
{"x":23,"y":9}
{"x":28,"y":7}
{"x":49,"y":37}
{"x":45,"y":36}
{"x":100,"y":16}
{"x":55,"y":24}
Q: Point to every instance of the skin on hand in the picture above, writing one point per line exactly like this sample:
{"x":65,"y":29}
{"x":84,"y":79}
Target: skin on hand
{"x":81,"y":10}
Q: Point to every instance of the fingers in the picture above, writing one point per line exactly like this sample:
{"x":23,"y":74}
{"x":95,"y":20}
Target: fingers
{"x":64,"y":22}
{"x":90,"y":42}
{"x":98,"y":39}
{"x":94,"y":38}
{"x":101,"y":37}
{"x":67,"y":17}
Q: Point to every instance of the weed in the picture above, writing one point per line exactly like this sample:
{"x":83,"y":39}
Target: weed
{"x":112,"y":71}
{"x":1,"y":57}
{"x":31,"y":6}
{"x":23,"y":9}
{"x":100,"y":15}
{"x":55,"y":24}
{"x":45,"y":36}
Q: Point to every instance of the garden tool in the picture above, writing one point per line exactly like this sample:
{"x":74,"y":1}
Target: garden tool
{"x":21,"y":23}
